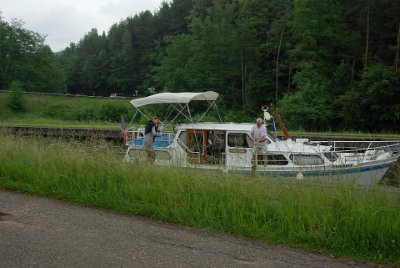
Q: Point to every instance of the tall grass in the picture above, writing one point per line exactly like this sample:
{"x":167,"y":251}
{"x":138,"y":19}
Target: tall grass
{"x":337,"y":218}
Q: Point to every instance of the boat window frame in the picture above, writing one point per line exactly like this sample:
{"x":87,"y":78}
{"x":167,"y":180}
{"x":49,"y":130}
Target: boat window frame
{"x":181,"y":142}
{"x":296,"y":162}
{"x":247,"y":139}
{"x":200,"y":156}
{"x":277,"y":162}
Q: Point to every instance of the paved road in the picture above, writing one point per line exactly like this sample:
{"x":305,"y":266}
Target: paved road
{"x":40,"y":232}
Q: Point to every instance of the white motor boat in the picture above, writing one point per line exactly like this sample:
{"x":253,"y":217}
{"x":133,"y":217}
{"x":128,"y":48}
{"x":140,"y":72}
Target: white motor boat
{"x":229,"y":147}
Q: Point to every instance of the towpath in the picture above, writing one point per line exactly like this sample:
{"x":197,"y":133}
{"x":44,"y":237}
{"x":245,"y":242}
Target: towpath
{"x":41,"y":232}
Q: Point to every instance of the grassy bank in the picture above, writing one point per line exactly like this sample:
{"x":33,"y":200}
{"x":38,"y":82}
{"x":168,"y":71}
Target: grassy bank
{"x":335,"y":218}
{"x":62,"y":110}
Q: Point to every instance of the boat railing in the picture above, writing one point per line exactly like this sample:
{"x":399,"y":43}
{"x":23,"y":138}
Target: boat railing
{"x":193,"y":157}
{"x":136,"y":137}
{"x":134,"y":134}
{"x":187,"y":149}
{"x":361,"y":151}
{"x":361,"y":146}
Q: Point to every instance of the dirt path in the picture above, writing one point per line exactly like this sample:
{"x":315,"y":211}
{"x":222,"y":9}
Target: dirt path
{"x":40,"y":232}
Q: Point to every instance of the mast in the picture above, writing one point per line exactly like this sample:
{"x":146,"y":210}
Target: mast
{"x":280,"y":123}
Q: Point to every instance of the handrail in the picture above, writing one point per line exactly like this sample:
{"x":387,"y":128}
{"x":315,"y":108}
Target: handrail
{"x":348,"y":141}
{"x":170,"y":134}
{"x":186,"y":148}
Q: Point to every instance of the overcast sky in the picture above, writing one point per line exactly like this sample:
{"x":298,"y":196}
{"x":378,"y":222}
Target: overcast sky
{"x":66,"y":21}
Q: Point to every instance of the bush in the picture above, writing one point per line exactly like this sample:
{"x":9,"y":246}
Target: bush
{"x":87,"y":114}
{"x":106,"y":112}
{"x":112,"y":113}
{"x":58,"y":110}
{"x":16,"y":101}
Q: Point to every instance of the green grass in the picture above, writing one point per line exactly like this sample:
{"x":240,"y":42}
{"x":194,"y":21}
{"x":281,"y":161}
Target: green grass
{"x":57,"y":111}
{"x":335,"y":218}
{"x":57,"y":123}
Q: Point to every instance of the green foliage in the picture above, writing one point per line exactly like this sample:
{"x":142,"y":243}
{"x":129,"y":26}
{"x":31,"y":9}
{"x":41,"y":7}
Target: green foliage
{"x":57,"y":110}
{"x":318,"y":49}
{"x":112,"y":113}
{"x":338,"y":218}
{"x":374,"y":102}
{"x":238,"y":116}
{"x":16,"y":101}
{"x":25,"y":57}
{"x":172,"y":74}
{"x":105,"y":112}
{"x":380,"y":85}
{"x":318,"y":59}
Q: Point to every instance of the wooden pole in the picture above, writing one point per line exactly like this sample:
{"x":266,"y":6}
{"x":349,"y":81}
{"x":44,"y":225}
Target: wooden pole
{"x":280,"y":123}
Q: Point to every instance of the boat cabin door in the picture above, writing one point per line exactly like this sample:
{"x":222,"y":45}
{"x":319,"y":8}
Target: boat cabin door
{"x":239,"y":151}
{"x":196,"y":143}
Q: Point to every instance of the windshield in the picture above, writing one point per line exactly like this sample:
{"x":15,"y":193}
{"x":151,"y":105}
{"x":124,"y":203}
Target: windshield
{"x":272,"y":136}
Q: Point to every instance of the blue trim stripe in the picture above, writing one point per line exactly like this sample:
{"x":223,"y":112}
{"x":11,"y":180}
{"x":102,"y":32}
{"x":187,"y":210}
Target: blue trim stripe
{"x":322,"y":173}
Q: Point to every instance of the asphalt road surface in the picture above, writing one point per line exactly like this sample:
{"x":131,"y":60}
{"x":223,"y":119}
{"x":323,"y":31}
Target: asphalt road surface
{"x":41,"y":232}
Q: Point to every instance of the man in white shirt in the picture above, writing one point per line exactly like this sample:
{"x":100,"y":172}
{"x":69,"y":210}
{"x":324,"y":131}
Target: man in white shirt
{"x":259,"y":136}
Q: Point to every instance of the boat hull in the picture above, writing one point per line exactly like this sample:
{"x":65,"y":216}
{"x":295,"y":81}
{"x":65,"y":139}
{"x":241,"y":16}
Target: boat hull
{"x":369,"y":174}
{"x":363,"y":174}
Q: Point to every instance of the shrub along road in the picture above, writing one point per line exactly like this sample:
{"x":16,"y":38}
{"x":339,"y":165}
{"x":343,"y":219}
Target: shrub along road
{"x":41,"y":232}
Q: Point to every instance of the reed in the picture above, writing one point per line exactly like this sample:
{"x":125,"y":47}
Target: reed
{"x":334,"y":218}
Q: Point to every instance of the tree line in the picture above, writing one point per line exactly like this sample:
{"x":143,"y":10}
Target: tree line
{"x":27,"y":61}
{"x":328,"y":65}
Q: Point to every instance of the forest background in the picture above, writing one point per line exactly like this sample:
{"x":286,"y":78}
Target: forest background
{"x":328,"y":65}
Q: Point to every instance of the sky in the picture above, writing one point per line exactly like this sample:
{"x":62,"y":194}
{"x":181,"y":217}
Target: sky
{"x":66,"y":21}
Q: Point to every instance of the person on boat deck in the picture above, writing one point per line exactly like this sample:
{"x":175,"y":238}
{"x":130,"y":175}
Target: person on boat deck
{"x":259,"y":136}
{"x":150,"y":133}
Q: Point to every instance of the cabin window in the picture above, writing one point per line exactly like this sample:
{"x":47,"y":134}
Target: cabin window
{"x":196,"y":144}
{"x":241,"y":140}
{"x":272,"y":136}
{"x":306,"y":159}
{"x":277,"y":160}
{"x":331,"y":156}
{"x":215,"y":141}
{"x":215,"y":146}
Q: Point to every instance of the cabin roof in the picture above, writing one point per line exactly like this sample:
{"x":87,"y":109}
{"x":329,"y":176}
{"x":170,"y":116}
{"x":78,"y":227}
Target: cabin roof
{"x":246,"y":127}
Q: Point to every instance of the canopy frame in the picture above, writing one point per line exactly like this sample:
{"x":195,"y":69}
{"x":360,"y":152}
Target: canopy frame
{"x":179,"y":102}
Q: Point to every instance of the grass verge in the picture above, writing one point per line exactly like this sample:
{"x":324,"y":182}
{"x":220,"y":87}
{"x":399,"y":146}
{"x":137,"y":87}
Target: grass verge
{"x":56,"y":110}
{"x":56,"y":123}
{"x":337,"y":218}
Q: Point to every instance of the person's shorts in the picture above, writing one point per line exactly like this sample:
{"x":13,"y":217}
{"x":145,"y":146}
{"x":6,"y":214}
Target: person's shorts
{"x":260,"y":148}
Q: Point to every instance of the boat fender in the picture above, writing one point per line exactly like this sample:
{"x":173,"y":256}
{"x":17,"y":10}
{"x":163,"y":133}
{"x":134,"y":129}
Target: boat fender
{"x":300,"y":176}
{"x":126,"y":136}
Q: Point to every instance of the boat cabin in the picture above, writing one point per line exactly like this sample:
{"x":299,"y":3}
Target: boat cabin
{"x":217,"y":143}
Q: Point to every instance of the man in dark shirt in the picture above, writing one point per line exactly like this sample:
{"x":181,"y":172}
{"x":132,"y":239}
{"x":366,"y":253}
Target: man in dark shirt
{"x":151,"y":131}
